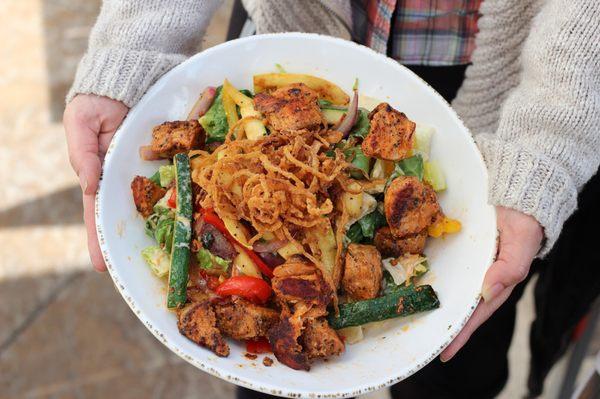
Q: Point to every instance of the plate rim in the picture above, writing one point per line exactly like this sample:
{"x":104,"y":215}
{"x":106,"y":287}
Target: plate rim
{"x":231,"y":376}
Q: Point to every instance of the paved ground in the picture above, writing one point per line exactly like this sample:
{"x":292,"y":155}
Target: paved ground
{"x":64,"y":330}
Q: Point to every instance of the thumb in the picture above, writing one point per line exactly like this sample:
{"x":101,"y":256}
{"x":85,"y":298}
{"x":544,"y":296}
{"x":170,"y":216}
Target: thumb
{"x":89,"y":173}
{"x":82,"y":141}
{"x":510,"y":268}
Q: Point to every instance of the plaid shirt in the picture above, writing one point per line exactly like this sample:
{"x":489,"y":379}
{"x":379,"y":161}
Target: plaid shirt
{"x":424,"y":32}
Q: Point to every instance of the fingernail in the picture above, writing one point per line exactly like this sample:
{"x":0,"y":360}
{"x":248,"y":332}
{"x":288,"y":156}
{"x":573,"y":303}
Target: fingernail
{"x":443,"y":359}
{"x":83,"y":182}
{"x":490,"y":293}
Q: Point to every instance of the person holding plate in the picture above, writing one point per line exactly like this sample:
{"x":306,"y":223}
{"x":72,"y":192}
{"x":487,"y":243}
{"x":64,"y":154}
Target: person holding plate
{"x":524,"y":75}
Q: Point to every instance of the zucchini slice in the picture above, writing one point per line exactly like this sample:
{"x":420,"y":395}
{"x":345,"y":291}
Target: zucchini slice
{"x":402,"y":301}
{"x":182,"y":233}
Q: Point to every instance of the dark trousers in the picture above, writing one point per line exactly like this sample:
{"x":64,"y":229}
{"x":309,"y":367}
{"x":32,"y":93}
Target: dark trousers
{"x":568,"y":282}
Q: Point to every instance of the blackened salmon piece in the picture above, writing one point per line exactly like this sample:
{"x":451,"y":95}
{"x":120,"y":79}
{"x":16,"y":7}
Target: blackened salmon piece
{"x":410,"y":206}
{"x":283,"y":338}
{"x":243,"y":320}
{"x":146,"y":194}
{"x":390,"y":246}
{"x":170,"y":138}
{"x":390,"y":135}
{"x":362,"y":272}
{"x":300,"y":282}
{"x":197,"y":322}
{"x":291,"y":108}
{"x":319,"y":340}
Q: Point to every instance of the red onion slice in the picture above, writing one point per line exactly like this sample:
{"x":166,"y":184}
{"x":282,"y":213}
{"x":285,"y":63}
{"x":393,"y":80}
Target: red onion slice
{"x":349,"y":119}
{"x":203,"y":104}
{"x":147,"y":154}
{"x":270,"y":246}
{"x":272,"y":259}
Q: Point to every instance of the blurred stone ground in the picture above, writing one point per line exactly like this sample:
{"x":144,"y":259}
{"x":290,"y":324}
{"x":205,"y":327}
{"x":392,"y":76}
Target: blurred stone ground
{"x":64,"y":330}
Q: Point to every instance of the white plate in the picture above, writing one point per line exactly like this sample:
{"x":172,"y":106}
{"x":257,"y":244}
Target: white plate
{"x":458,"y":263}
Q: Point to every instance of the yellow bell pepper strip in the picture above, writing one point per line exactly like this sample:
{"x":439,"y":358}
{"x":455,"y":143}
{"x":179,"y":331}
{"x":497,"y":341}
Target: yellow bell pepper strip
{"x":444,"y":226}
{"x":254,"y":129}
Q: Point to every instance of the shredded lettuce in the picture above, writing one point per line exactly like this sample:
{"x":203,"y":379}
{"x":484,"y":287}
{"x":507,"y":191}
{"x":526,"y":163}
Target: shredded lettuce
{"x":166,"y":174}
{"x":208,"y":261}
{"x":214,"y":121}
{"x":157,"y":259}
{"x":159,"y":226}
{"x":403,"y":270}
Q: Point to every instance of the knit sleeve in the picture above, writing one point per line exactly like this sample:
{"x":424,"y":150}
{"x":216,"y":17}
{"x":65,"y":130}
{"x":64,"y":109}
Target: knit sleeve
{"x":547,"y":145}
{"x":134,"y":42}
{"x":327,"y":17}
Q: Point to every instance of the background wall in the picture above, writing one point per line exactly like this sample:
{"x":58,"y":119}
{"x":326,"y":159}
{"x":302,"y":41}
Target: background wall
{"x":64,"y":331}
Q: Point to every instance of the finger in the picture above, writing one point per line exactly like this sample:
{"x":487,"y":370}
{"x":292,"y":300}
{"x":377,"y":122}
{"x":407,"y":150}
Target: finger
{"x":483,"y":312}
{"x":511,"y":267}
{"x":89,"y":217}
{"x":82,"y":140}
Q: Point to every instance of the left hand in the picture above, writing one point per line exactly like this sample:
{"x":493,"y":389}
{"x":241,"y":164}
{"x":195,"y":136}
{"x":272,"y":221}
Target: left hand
{"x":520,"y":239}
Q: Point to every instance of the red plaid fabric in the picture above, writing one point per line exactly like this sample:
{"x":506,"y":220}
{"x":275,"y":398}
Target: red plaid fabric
{"x":425,"y":32}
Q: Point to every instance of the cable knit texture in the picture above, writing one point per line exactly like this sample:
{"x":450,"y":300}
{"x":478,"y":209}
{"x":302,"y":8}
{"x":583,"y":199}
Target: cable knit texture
{"x":134,"y":42}
{"x":531,"y":96}
{"x":312,"y":16}
{"x":532,"y":99}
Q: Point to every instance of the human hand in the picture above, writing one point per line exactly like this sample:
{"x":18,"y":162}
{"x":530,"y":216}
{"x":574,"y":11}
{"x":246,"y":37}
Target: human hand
{"x":90,"y":123}
{"x":520,"y":239}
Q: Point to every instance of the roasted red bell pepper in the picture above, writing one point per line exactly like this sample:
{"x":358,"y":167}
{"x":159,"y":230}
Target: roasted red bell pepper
{"x":253,"y":289}
{"x":211,"y":217}
{"x":261,"y":345}
{"x":172,"y":201}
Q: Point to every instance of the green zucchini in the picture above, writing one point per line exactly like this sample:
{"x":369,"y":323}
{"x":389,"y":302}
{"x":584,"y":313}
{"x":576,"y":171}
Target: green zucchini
{"x":402,"y":301}
{"x":182,"y":233}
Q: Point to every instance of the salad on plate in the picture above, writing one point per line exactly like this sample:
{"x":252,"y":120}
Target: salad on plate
{"x":290,"y":216}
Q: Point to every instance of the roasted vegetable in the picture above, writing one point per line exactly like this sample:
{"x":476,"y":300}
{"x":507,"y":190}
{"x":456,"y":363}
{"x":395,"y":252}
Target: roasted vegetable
{"x":157,"y":259}
{"x":422,"y":144}
{"x":214,"y":121}
{"x":159,"y":226}
{"x":443,"y":226}
{"x":401,"y":301}
{"x":166,"y":175}
{"x":362,"y":124}
{"x":253,"y":289}
{"x":182,"y":234}
{"x":433,"y":174}
{"x":327,"y":90}
{"x":254,"y":128}
{"x":212,"y":263}
{"x":360,"y":162}
{"x":203,"y":103}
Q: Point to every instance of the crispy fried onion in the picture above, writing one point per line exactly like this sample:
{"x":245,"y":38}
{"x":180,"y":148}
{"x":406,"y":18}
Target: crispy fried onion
{"x":280,"y":184}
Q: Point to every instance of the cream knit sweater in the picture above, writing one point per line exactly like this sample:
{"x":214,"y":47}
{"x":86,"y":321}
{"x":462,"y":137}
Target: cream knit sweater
{"x":531,"y":97}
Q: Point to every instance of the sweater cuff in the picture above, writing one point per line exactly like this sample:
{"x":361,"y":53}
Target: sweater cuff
{"x":121,"y":74}
{"x":523,"y":180}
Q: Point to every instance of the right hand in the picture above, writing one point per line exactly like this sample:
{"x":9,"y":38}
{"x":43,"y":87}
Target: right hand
{"x":90,"y":122}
